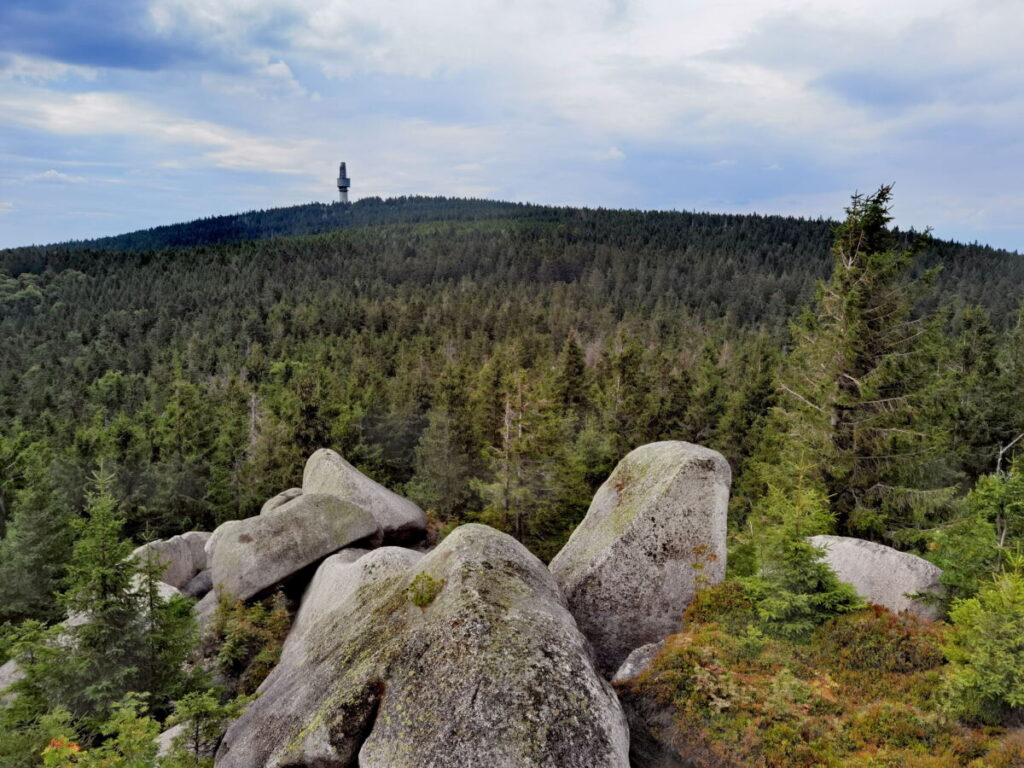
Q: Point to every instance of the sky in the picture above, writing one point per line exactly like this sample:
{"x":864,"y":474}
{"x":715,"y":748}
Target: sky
{"x":122,"y":114}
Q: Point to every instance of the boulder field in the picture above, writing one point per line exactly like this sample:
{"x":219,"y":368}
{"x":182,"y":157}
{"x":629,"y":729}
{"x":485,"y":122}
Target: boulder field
{"x":465,"y":656}
{"x":473,"y":653}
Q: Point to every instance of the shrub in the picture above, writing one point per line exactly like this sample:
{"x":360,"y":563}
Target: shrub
{"x":249,"y":639}
{"x":423,"y":589}
{"x":877,"y":639}
{"x":985,"y":680}
{"x":727,"y":603}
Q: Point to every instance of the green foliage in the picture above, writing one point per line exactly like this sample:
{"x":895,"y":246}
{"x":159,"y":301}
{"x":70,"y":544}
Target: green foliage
{"x":986,"y":651}
{"x":876,"y":640}
{"x":202,"y":376}
{"x":37,"y":546}
{"x":120,"y":638}
{"x":859,"y":397}
{"x":973,"y":547}
{"x":248,"y":639}
{"x":861,"y":694}
{"x":424,"y":589}
{"x":793,"y":590}
{"x":129,"y":739}
{"x":205,"y":719}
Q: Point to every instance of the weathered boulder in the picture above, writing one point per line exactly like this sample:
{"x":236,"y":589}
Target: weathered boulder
{"x":261,"y":551}
{"x":205,"y":610}
{"x":333,"y":581}
{"x":218,"y":533}
{"x":175,"y":554}
{"x":165,"y":741}
{"x":883,"y":575}
{"x":650,"y":721}
{"x":199,"y":584}
{"x":282,"y":498}
{"x":400,"y":519}
{"x":654,"y":533}
{"x":196,"y":541}
{"x":10,"y":673}
{"x":637,"y":661}
{"x":466,"y":656}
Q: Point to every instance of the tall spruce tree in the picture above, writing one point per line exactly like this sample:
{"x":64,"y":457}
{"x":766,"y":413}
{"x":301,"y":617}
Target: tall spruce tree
{"x":37,"y":545}
{"x":857,"y":396}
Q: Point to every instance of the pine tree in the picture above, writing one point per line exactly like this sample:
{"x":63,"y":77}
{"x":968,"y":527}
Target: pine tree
{"x":979,"y":395}
{"x":120,"y":635}
{"x":571,"y":385}
{"x":860,"y":384}
{"x":441,"y":482}
{"x":37,"y":546}
{"x":707,"y":401}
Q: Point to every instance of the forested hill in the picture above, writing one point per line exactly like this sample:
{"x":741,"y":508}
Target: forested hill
{"x":705,"y":247}
{"x":311,"y":219}
{"x":202,"y":376}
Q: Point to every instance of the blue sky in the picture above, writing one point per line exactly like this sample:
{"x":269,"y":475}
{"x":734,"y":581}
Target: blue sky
{"x":121,"y":114}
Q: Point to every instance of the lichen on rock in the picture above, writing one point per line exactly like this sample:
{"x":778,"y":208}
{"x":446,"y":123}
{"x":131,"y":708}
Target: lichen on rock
{"x":655,"y":533}
{"x":491,"y":672}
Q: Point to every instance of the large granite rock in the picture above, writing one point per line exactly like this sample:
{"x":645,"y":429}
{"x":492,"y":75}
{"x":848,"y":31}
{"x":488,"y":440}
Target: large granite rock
{"x":165,"y":741}
{"x":654,"y":533}
{"x":218,"y":533}
{"x":182,"y":557}
{"x":196,"y":541}
{"x":466,"y":656}
{"x":282,"y":498}
{"x":883,"y":575}
{"x":400,"y":519}
{"x":10,"y":673}
{"x":205,"y":610}
{"x":199,"y":585}
{"x":262,"y":551}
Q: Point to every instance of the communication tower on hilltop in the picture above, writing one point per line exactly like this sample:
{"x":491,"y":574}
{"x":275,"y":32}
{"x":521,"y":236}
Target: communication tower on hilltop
{"x":344,"y":182}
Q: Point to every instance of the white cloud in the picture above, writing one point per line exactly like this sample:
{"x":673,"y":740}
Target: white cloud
{"x":6,"y":206}
{"x":34,"y":69}
{"x":546,"y":100}
{"x":97,"y":113}
{"x":55,"y":176}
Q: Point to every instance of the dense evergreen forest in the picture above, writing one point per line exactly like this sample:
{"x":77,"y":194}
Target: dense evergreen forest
{"x":201,"y":377}
{"x":494,"y":361}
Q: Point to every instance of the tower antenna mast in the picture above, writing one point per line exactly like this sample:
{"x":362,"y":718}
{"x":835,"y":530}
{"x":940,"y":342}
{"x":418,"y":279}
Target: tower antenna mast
{"x":344,"y":182}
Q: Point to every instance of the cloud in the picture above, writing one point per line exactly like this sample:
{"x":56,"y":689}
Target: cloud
{"x":55,"y":176}
{"x":97,"y":113}
{"x":6,"y":206}
{"x":615,"y":102}
{"x":34,"y":69}
{"x":95,"y":33}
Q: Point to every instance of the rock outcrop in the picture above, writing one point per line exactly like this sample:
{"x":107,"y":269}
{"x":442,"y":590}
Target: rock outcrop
{"x":654,"y":533}
{"x":181,"y":556}
{"x":400,"y":519}
{"x":261,"y":551}
{"x":10,"y":673}
{"x":199,"y":584}
{"x":650,"y":722}
{"x":657,"y":738}
{"x":282,"y":498}
{"x":883,"y":575}
{"x":466,"y":656}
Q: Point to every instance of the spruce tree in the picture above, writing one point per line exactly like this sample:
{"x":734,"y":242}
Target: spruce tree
{"x":441,"y":482}
{"x":37,"y":545}
{"x":860,"y":386}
